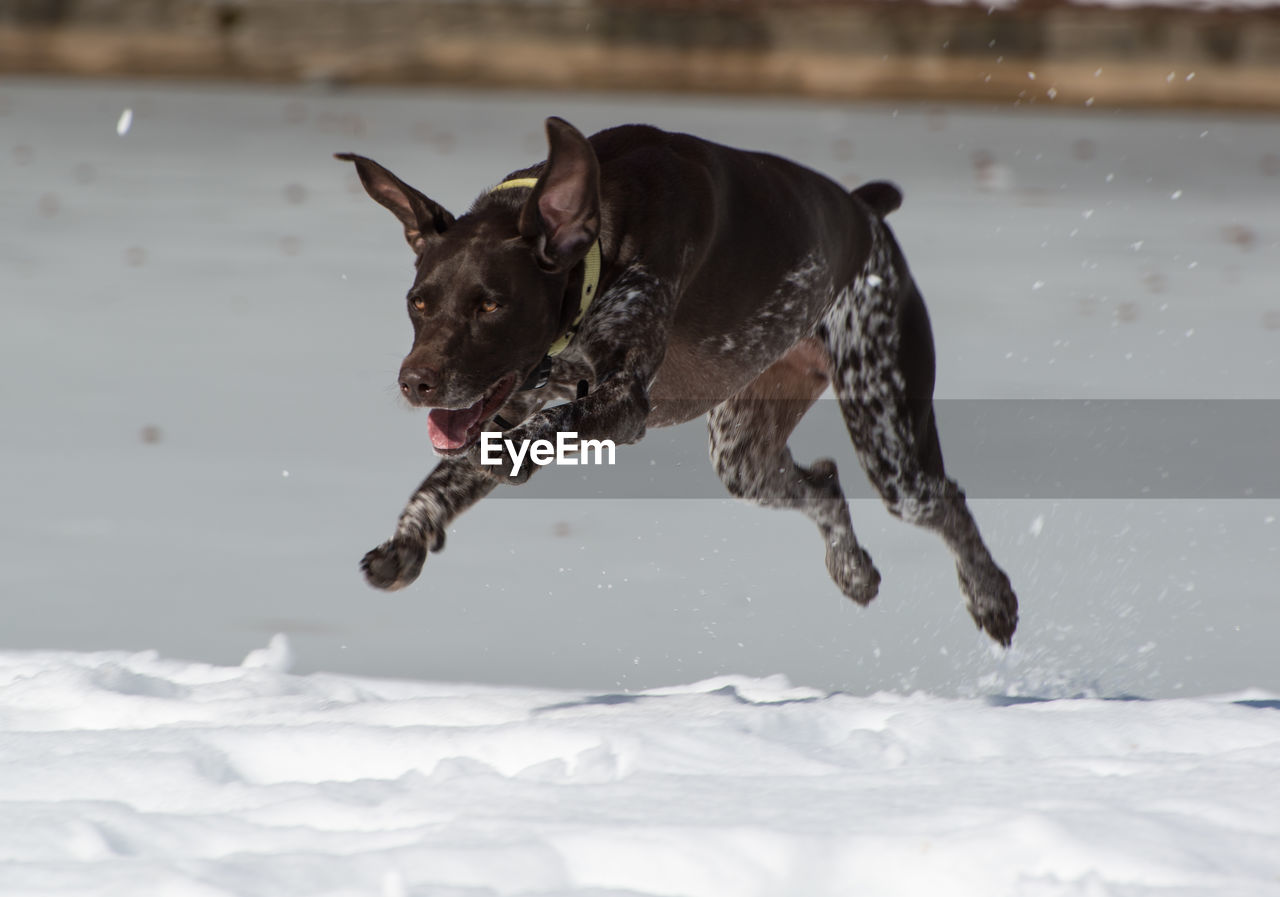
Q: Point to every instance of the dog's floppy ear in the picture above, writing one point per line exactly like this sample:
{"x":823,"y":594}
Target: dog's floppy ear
{"x":561,"y":218}
{"x":422,"y":218}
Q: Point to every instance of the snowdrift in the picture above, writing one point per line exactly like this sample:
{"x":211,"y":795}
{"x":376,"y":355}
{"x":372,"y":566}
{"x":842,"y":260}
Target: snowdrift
{"x":131,"y":775}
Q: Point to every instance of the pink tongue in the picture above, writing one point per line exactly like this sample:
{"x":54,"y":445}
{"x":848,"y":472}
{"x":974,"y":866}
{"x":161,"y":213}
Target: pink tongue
{"x":448,"y":429}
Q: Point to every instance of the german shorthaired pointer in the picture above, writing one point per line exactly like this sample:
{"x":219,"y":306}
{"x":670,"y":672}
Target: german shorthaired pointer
{"x":646,"y":278}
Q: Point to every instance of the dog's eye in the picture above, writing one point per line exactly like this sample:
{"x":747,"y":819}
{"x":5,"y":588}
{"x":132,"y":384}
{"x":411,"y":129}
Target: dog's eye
{"x":419,"y":304}
{"x":489,"y":305}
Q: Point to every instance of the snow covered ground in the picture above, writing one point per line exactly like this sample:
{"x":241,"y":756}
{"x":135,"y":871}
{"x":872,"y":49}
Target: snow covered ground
{"x":201,"y":433}
{"x":200,"y":328}
{"x":131,"y":776}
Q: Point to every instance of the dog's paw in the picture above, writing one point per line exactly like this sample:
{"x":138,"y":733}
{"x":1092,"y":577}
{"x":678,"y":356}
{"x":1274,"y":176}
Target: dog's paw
{"x":991,"y":601}
{"x":394,"y":564}
{"x":852,"y":570}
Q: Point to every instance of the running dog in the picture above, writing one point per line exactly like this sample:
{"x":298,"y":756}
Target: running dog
{"x":644,"y":278}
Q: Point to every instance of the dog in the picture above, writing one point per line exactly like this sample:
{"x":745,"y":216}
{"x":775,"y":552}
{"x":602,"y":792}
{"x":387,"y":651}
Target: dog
{"x":643,"y":278}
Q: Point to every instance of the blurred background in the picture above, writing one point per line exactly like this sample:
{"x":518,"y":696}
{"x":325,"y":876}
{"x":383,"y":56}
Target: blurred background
{"x":1150,"y":52}
{"x":201,"y":322}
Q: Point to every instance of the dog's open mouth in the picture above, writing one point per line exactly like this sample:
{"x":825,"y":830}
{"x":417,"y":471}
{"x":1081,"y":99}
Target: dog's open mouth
{"x":454,"y":430}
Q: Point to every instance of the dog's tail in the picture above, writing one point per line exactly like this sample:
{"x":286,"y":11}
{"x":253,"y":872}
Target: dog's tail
{"x":881,"y":197}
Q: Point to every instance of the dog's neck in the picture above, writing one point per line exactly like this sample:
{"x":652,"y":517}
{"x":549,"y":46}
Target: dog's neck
{"x":587,"y":292}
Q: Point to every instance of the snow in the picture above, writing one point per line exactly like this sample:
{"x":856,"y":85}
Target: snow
{"x":202,"y":435}
{"x":133,"y":775}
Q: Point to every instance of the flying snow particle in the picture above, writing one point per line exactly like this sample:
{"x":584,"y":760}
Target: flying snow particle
{"x":1111,"y":177}
{"x":1190,"y":76}
{"x":1176,"y":194}
{"x":1269,"y":519}
{"x":1037,"y":526}
{"x":1087,"y":213}
{"x":1089,"y":102}
{"x":125,"y":122}
{"x":1037,"y":285}
{"x":1031,"y":75}
{"x":1136,"y":247}
{"x":284,"y":473}
{"x":1052,"y":93}
{"x":1169,"y":77}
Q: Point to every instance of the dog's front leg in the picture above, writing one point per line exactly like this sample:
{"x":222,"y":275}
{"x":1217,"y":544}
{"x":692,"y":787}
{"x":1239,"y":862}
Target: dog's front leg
{"x":617,"y":408}
{"x":450,"y":489}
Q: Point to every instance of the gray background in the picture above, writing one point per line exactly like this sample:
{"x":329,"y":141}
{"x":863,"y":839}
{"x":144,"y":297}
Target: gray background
{"x":200,"y":306}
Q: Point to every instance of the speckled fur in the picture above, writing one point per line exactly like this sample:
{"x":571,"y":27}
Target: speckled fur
{"x":855,"y":346}
{"x":730,"y":320}
{"x":895,"y":437}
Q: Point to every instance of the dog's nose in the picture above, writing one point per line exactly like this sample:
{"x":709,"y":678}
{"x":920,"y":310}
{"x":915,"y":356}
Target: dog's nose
{"x":417,"y":383}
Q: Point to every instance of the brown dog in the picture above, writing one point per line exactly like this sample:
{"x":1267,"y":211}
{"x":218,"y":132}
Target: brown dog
{"x":647,"y":278}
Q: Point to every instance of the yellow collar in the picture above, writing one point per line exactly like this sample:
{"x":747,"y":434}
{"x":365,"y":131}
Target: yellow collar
{"x":590,"y":277}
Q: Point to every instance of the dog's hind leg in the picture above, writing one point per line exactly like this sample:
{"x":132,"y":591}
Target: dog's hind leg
{"x":881,"y":349}
{"x":749,"y":451}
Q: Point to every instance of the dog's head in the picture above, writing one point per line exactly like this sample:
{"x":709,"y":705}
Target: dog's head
{"x":489,"y":294}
